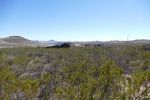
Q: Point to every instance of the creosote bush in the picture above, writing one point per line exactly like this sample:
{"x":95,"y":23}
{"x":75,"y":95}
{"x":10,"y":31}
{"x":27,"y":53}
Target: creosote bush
{"x":76,"y":73}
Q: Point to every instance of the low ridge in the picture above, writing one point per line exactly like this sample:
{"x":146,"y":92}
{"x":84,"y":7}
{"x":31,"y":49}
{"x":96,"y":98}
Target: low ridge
{"x":16,"y":39}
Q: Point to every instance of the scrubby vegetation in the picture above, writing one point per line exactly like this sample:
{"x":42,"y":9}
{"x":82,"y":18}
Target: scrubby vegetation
{"x":76,"y":73}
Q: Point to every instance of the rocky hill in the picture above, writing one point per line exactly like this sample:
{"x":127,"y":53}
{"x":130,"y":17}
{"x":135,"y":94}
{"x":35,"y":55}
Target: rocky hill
{"x":15,"y":41}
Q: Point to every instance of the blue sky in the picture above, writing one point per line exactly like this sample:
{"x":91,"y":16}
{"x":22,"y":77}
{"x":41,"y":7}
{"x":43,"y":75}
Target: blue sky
{"x":75,"y":20}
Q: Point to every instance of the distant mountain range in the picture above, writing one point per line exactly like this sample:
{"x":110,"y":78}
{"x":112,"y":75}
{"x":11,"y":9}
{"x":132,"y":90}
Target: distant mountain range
{"x":15,"y":41}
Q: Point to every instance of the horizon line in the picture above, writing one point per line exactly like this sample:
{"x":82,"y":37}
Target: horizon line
{"x":121,"y":40}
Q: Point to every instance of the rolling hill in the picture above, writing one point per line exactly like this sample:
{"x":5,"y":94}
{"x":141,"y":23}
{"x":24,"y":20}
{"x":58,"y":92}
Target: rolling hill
{"x":17,"y":41}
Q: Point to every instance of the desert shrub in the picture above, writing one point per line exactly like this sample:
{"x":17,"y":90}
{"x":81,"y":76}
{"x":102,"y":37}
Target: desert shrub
{"x":81,"y":83}
{"x":80,"y":73}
